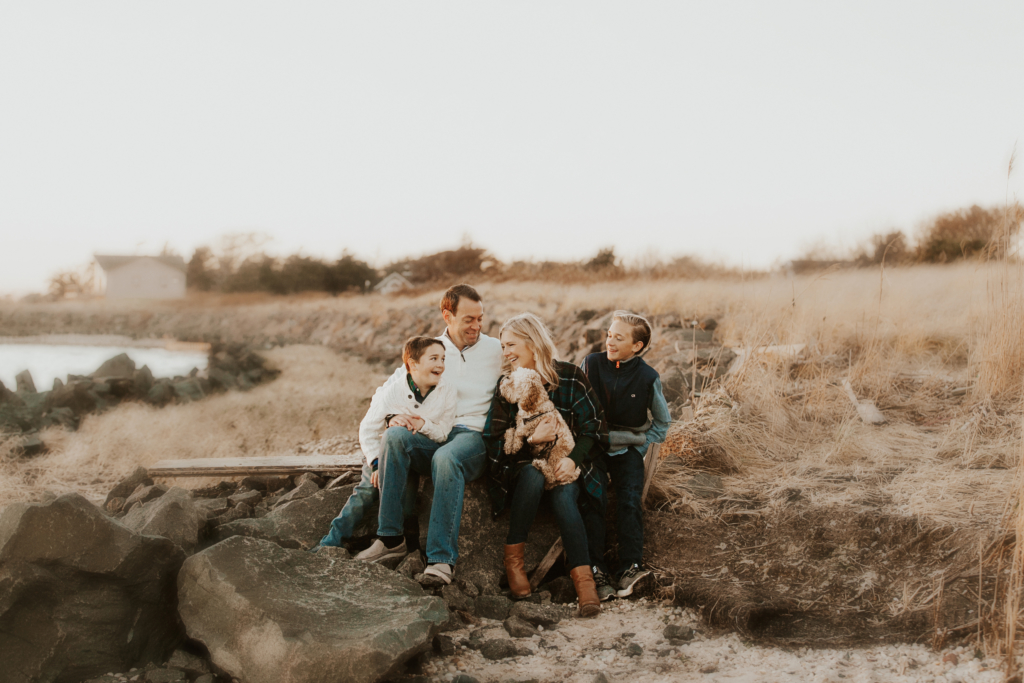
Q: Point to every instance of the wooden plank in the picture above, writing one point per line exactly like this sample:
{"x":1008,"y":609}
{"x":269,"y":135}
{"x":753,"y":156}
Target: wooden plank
{"x":279,"y":464}
{"x":651,"y":461}
{"x":545,"y":565}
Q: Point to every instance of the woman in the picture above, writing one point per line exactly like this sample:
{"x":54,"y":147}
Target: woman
{"x":526,"y":343}
{"x":416,"y":398}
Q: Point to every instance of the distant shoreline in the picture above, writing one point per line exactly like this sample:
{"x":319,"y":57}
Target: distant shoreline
{"x":88,"y":340}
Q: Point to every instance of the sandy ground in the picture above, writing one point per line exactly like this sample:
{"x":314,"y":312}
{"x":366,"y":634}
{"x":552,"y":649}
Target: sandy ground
{"x":581,"y":651}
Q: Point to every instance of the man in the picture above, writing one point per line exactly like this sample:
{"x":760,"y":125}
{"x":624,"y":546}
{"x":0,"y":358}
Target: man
{"x":473,"y":365}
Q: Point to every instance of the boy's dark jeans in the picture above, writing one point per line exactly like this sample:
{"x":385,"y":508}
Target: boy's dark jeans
{"x":627,"y":476}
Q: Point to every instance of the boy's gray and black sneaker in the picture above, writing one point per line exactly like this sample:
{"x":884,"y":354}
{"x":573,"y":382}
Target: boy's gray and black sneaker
{"x":605,"y":590}
{"x":378,"y":552}
{"x":634,"y":578}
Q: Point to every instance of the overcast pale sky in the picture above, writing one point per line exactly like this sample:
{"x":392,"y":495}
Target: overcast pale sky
{"x":740,"y":131}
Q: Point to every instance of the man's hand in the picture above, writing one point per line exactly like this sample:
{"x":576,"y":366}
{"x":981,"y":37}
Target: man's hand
{"x":564,"y":469}
{"x":375,"y":480}
{"x":410,"y":422}
{"x":546,"y":430}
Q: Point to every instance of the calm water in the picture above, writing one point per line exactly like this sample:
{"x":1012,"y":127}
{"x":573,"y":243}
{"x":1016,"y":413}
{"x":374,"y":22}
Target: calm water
{"x":47,"y":362}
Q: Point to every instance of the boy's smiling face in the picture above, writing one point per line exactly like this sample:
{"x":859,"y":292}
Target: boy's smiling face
{"x":620,"y":344}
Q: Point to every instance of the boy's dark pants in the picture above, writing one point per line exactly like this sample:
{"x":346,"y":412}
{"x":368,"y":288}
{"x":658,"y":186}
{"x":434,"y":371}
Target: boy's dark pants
{"x":627,"y":476}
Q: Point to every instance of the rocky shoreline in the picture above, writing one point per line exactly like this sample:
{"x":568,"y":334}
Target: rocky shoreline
{"x":26,"y":410}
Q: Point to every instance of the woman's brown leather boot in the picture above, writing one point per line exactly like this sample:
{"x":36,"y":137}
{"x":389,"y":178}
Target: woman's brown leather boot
{"x":586,"y":590}
{"x":516,"y":571}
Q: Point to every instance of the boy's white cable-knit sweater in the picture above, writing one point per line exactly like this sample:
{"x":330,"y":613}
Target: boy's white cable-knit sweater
{"x":394,"y":397}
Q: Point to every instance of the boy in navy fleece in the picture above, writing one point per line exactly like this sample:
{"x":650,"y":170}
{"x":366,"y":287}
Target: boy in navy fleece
{"x":630,"y":393}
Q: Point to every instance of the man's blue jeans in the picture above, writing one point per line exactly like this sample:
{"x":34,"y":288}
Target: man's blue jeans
{"x":364,"y":495}
{"x":450,"y":465}
{"x":627,"y":475}
{"x":529,"y":489}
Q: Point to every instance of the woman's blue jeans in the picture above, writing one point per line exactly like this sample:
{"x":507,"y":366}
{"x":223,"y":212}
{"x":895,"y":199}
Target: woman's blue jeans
{"x":529,"y":489}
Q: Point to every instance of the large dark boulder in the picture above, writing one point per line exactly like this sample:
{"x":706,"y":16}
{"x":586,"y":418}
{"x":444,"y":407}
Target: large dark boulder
{"x":173,"y":515}
{"x":273,"y":615}
{"x":300,"y":523}
{"x":81,"y":594}
{"x":127,"y":486}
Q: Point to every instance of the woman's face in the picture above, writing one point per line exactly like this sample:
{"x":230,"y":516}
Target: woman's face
{"x":517,"y":351}
{"x":426,"y":371}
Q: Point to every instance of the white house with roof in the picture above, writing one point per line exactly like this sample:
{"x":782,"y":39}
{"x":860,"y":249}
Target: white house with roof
{"x":140,"y":277}
{"x":393,"y":282}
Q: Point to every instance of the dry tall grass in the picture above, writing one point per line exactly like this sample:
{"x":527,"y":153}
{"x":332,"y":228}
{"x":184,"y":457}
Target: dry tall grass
{"x":319,"y":394}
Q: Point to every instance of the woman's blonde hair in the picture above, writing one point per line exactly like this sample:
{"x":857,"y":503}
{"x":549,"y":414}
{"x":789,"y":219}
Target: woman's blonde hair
{"x":532,"y":330}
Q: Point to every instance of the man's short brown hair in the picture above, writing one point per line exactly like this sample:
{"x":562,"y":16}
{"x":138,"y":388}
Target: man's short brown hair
{"x":451,"y":298}
{"x":415,"y":347}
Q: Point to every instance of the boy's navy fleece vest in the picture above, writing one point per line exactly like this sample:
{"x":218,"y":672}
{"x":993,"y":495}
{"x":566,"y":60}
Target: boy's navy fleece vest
{"x":624,"y":391}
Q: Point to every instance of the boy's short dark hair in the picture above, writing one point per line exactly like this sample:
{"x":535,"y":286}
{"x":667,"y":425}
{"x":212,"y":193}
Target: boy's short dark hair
{"x":450,"y":299}
{"x":640,"y":328}
{"x":415,"y":347}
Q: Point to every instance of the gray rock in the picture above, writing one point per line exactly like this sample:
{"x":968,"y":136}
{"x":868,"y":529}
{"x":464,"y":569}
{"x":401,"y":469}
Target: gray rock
{"x":634,"y":650}
{"x":160,"y":393}
{"x":483,"y":580}
{"x":250,"y":498}
{"x":265,"y":483}
{"x":143,"y":380}
{"x":172,"y":515}
{"x":545,"y":615}
{"x":411,"y":565}
{"x":494,"y":607}
{"x":678,"y":632}
{"x":308,"y":476}
{"x":444,"y":645}
{"x":335,"y":553}
{"x":118,"y":366}
{"x":562,"y":590}
{"x":465,"y":678}
{"x":222,"y":378}
{"x":24,"y":382}
{"x":468,"y":587}
{"x":268,"y":614}
{"x":600,"y":677}
{"x":164,"y":676}
{"x":517,"y":628}
{"x":206,"y":678}
{"x":188,"y":662}
{"x":240,"y":511}
{"x":143,"y":494}
{"x":300,"y":524}
{"x":303,"y":490}
{"x":188,"y":390}
{"x":212,"y":507}
{"x":498,"y":648}
{"x":114,"y":505}
{"x":82,"y":595}
{"x":456,"y":599}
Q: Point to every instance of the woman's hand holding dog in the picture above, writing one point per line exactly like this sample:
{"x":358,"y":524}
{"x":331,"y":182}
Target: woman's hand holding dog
{"x":547,"y":428}
{"x":410,"y":422}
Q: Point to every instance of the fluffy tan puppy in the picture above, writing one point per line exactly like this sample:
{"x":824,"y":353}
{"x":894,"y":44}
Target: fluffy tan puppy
{"x":525,"y":388}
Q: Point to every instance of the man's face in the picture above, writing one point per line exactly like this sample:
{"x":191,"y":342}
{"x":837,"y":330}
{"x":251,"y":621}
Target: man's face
{"x":465,"y":324}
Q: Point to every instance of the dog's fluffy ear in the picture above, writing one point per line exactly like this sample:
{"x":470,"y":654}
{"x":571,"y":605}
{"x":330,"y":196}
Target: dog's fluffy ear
{"x":533,"y":392}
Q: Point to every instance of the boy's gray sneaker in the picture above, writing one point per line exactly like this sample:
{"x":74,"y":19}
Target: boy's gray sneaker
{"x":378,"y":551}
{"x":633,"y":578}
{"x":605,"y":590}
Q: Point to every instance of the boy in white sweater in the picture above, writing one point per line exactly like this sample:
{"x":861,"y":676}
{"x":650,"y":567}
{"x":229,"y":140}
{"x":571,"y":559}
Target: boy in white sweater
{"x":416,"y":398}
